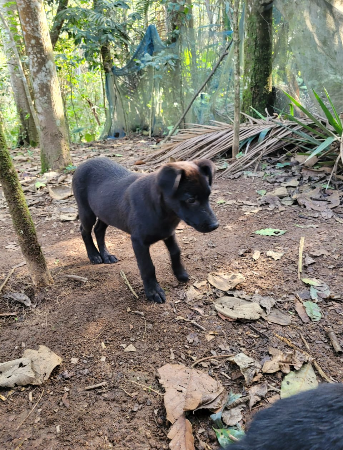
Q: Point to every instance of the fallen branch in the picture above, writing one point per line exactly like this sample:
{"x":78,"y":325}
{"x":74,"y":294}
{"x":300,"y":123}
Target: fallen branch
{"x":126,"y":281}
{"x":301,"y":250}
{"x":95,"y":386}
{"x":334,"y":341}
{"x":146,"y":387}
{"x":6,"y":279}
{"x":210,"y":357}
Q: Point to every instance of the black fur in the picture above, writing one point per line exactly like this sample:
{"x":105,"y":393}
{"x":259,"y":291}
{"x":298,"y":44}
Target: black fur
{"x":311,"y":420}
{"x":147,"y":206}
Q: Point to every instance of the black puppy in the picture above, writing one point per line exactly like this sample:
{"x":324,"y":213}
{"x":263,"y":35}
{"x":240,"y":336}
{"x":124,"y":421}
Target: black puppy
{"x":147,"y":206}
{"x":311,"y":420}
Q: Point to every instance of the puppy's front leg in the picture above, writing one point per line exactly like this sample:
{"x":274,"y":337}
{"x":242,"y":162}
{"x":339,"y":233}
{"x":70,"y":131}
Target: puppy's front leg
{"x":175,"y":256}
{"x":153,"y":290}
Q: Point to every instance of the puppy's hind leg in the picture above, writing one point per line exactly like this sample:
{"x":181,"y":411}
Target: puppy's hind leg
{"x":175,"y":256}
{"x":100,"y":230}
{"x":87,"y":219}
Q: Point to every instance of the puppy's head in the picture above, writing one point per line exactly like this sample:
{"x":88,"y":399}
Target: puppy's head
{"x":186,"y":187}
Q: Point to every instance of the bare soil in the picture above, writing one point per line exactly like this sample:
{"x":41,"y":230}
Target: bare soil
{"x":90,"y":323}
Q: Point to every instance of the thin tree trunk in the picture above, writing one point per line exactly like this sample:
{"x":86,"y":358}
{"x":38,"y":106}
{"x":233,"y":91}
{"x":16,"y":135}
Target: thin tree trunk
{"x":22,"y":221}
{"x":28,"y":133}
{"x":58,"y":23}
{"x":257,"y":55}
{"x":237,"y":110}
{"x":55,"y":153}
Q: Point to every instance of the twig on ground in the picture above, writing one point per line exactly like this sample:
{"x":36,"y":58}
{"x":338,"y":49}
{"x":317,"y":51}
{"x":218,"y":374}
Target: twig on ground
{"x":8,"y":314}
{"x":334,"y":341}
{"x":127,"y":393}
{"x":6,"y":279}
{"x":77,"y":278}
{"x":305,"y":342}
{"x":126,"y":281}
{"x":31,"y":411}
{"x":146,"y":387}
{"x":210,"y":357}
{"x":311,"y":358}
{"x":96,"y":386}
{"x":301,"y":250}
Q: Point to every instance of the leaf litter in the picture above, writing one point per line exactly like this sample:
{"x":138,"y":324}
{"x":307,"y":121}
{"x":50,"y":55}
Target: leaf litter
{"x":187,"y":390}
{"x":299,"y":381}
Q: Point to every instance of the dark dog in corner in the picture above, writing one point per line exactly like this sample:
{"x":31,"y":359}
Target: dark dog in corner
{"x":147,"y":206}
{"x":311,"y":420}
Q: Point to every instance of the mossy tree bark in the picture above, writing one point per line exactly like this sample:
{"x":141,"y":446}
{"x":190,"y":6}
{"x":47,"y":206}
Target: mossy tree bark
{"x":257,"y":84}
{"x":54,"y":143}
{"x":22,"y":221}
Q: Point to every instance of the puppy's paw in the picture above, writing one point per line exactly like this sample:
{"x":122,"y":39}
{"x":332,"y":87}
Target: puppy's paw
{"x":181,"y":275}
{"x":95,"y":259}
{"x":155,"y":293}
{"x":109,"y":259}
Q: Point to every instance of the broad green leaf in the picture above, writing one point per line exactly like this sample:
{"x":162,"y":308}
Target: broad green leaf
{"x":223,"y":435}
{"x":313,"y":311}
{"x":329,"y":116}
{"x":217,"y":419}
{"x":308,"y":114}
{"x":299,"y":381}
{"x":232,"y":398}
{"x":118,"y":154}
{"x":262,"y":192}
{"x":311,"y":281}
{"x":284,"y":164}
{"x":270,"y":232}
{"x":90,"y":137}
{"x":312,"y":130}
{"x":221,"y":202}
{"x":333,"y":107}
{"x":322,"y":146}
{"x":39,"y":185}
{"x":263,"y":135}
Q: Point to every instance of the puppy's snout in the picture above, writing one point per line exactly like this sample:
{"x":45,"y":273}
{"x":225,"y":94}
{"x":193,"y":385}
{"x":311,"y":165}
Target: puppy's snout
{"x":213,"y":226}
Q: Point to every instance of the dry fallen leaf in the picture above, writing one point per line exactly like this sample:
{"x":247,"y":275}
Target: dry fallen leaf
{"x":277,"y":316}
{"x":237,"y":308}
{"x":187,"y":390}
{"x":256,"y":393}
{"x":274,"y":255}
{"x":34,"y":368}
{"x":193,"y":294}
{"x":60,"y":192}
{"x":256,"y":255}
{"x":231,"y":417}
{"x":224,"y":281}
{"x":130,"y":348}
{"x":181,"y":435}
{"x":300,"y":309}
{"x":248,"y":366}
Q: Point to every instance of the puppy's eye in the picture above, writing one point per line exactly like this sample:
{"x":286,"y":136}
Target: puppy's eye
{"x":190,"y":200}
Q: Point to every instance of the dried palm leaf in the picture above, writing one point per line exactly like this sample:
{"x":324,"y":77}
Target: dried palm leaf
{"x":210,"y":141}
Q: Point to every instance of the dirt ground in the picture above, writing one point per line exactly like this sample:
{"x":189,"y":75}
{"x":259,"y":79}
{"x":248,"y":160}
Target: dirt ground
{"x":89,"y":324}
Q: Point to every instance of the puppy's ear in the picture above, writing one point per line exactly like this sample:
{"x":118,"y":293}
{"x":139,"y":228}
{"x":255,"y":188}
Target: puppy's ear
{"x":207,"y":168}
{"x":168,"y":179}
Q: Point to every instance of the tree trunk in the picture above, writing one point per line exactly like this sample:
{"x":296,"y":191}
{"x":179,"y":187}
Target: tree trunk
{"x":21,"y":218}
{"x":58,"y":23}
{"x":237,"y":63}
{"x":257,"y":55}
{"x":28,"y":133}
{"x":53,"y":137}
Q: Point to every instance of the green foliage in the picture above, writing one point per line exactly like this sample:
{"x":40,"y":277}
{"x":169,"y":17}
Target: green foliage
{"x":321,"y":135}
